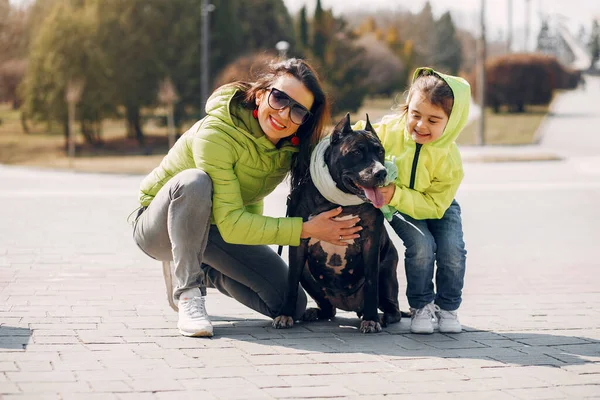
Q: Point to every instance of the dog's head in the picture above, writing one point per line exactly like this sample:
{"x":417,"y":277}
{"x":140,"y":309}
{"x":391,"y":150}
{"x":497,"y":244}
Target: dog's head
{"x":356,"y":161}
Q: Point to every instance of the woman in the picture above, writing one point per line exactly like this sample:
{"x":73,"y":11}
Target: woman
{"x":202,"y":205}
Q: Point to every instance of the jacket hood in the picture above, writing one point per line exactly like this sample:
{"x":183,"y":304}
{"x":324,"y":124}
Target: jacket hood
{"x":460,"y":109}
{"x":225,"y":103}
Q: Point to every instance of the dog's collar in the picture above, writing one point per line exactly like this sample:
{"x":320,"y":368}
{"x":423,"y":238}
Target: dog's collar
{"x":322,"y":179}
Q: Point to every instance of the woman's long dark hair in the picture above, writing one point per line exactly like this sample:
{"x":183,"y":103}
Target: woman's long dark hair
{"x":309,"y":132}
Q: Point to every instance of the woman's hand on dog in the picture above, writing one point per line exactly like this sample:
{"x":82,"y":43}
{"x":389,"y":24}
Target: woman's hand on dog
{"x":324,"y":227}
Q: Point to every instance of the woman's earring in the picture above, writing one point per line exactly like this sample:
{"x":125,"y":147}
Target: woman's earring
{"x":255,"y":113}
{"x":295,"y":140}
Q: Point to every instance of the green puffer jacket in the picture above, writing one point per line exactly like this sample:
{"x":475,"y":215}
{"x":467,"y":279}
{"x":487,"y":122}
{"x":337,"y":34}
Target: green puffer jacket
{"x":428,"y":175}
{"x":229,"y":145}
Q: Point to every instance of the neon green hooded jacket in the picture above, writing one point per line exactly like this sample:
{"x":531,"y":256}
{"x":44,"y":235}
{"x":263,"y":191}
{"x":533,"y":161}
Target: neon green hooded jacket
{"x":434,"y":168}
{"x":244,"y":166}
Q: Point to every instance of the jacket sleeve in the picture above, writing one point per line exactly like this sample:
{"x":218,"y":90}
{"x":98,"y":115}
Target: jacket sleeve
{"x":256,"y":208}
{"x":433,"y":202}
{"x":214,"y":152}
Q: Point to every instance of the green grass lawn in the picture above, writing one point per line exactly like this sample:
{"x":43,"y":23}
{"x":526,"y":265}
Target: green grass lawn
{"x":44,"y":145}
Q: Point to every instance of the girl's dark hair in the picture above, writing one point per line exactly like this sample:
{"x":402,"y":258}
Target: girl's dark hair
{"x":309,"y":132}
{"x":434,"y":88}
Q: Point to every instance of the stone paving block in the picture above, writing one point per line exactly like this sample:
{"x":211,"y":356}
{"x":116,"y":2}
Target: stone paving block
{"x":77,"y":365}
{"x":35,"y":366}
{"x":161,"y":373}
{"x":299,"y":369}
{"x":187,"y":395}
{"x":7,"y":365}
{"x":409,"y":377}
{"x":512,"y":382}
{"x":136,"y":396}
{"x":51,"y":376}
{"x":8,"y":387}
{"x":312,"y":380}
{"x":228,"y":372}
{"x":237,"y":394}
{"x":109,"y":386}
{"x":38,"y":396}
{"x":282,"y":360}
{"x":369,"y":384}
{"x":56,"y":340}
{"x":331,"y":391}
{"x":105,"y":374}
{"x":217,"y":383}
{"x":581,"y":391}
{"x":366,"y":367}
{"x":305,"y":346}
{"x":54,"y":387}
{"x":266,"y":381}
{"x":584,"y":368}
{"x":181,"y":342}
{"x":88,"y":396}
{"x":182,"y":361}
{"x":153,"y":385}
{"x":25,"y":356}
{"x":332,"y":358}
{"x":431,"y":363}
{"x":536,"y":393}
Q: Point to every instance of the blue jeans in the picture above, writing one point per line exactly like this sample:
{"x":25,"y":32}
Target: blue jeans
{"x":429,"y":241}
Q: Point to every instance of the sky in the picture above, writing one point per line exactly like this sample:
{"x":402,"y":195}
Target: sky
{"x":465,"y":13}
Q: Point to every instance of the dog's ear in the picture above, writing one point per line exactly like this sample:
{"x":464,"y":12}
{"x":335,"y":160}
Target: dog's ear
{"x":369,"y":127}
{"x":341,"y":128}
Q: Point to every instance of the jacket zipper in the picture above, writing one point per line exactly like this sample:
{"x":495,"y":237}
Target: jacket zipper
{"x":413,"y":171}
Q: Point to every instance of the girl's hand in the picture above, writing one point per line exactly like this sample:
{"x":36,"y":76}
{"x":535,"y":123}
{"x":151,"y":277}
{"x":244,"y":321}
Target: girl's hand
{"x":388,"y":192}
{"x":323,"y":227}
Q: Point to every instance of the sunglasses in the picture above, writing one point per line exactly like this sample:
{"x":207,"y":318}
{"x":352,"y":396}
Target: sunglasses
{"x":279,"y":100}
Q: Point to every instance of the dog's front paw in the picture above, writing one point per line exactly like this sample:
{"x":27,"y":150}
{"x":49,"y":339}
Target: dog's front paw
{"x":283,"y":322}
{"x":370,"y":327}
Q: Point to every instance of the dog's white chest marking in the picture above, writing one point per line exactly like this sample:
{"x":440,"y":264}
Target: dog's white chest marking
{"x":336,"y":255}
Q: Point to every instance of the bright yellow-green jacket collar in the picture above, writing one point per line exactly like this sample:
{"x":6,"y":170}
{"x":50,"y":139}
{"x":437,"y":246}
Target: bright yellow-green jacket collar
{"x":226,"y":104}
{"x":460,"y":110}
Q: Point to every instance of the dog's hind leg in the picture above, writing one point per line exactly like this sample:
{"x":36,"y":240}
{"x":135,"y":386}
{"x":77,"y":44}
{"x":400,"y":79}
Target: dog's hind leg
{"x":388,"y":284}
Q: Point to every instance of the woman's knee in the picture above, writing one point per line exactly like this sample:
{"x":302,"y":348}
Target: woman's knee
{"x":194,"y":183}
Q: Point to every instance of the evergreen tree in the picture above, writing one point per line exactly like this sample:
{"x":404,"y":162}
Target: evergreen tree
{"x":264,"y":23}
{"x":422,"y":25}
{"x":303,"y":40}
{"x":319,"y":37}
{"x":544,"y":39}
{"x":446,"y":48}
{"x":128,"y":35}
{"x":226,"y":35}
{"x":594,"y":44}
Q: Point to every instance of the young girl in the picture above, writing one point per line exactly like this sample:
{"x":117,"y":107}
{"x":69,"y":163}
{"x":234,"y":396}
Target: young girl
{"x":422,"y":140}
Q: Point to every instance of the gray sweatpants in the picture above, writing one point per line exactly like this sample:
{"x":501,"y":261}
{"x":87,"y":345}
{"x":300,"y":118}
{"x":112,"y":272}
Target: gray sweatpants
{"x":176,"y":226}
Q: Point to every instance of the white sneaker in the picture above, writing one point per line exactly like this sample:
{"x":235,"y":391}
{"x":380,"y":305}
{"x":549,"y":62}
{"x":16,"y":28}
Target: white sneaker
{"x":193,"y":319}
{"x":449,"y":321}
{"x":424,"y":320}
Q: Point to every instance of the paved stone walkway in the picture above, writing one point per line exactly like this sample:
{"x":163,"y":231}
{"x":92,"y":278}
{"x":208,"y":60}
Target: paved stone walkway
{"x":83,"y":314}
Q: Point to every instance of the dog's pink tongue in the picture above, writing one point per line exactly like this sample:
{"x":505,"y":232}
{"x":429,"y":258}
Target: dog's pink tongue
{"x":374,"y":195}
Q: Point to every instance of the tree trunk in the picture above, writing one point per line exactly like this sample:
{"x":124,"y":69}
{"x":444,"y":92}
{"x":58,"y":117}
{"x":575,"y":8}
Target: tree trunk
{"x":24,"y":125}
{"x":133,"y":123}
{"x":65,"y":123}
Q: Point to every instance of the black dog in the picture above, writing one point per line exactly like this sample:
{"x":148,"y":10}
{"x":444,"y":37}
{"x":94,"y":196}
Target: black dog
{"x":362,"y":276}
